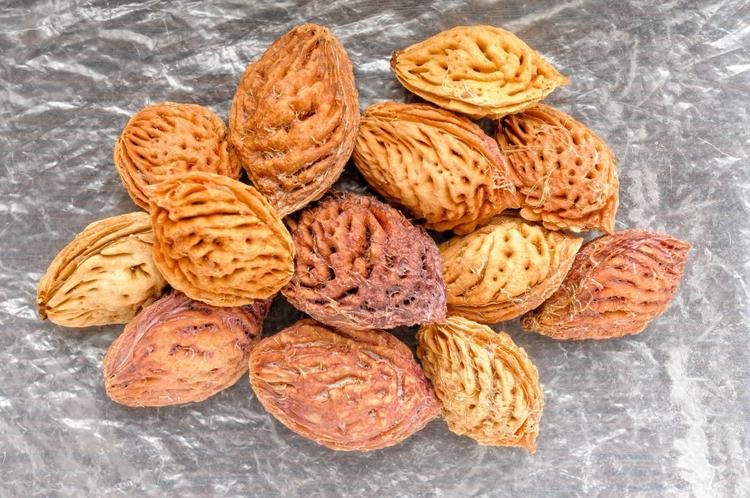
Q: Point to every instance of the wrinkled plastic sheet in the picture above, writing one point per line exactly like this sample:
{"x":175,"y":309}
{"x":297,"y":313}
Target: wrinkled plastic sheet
{"x":664,"y":413}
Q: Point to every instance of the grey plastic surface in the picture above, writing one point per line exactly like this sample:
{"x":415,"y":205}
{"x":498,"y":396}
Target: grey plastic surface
{"x":665,"y":413}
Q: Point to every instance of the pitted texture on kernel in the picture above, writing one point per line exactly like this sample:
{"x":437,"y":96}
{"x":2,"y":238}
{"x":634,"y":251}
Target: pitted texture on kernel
{"x":167,"y":139}
{"x":218,"y":240}
{"x":360,"y":264}
{"x":565,"y":175}
{"x":480,"y":71}
{"x":104,"y":276}
{"x":441,"y":167}
{"x":347,"y":390}
{"x":488,"y":387}
{"x":617,"y":284}
{"x":294,"y":117}
{"x":505,"y":268}
{"x":180,"y":351}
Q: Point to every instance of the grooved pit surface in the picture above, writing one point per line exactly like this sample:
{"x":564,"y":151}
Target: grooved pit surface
{"x":663,"y":413}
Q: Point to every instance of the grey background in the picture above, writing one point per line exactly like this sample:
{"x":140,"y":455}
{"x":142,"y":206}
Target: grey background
{"x":667,"y":84}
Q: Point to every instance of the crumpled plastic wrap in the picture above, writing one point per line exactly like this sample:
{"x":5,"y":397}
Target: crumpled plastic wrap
{"x":665,"y":413}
